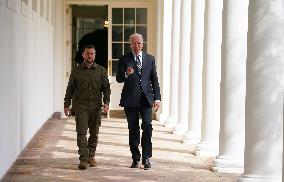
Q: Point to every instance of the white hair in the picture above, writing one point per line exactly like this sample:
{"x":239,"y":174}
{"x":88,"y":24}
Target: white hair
{"x":136,"y":35}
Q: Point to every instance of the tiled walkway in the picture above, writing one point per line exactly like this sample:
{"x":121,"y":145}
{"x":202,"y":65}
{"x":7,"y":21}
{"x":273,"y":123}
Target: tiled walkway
{"x":52,"y":156}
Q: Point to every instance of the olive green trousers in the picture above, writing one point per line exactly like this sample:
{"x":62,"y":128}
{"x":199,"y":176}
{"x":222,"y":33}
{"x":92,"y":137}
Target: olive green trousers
{"x":89,"y":119}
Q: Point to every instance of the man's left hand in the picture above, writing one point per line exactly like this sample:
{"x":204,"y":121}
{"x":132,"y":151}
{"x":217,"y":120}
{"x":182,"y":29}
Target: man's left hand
{"x":105,"y":108}
{"x":156,"y":105}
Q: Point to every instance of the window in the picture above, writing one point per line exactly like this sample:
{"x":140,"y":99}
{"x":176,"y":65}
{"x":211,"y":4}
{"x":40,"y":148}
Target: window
{"x":126,"y":21}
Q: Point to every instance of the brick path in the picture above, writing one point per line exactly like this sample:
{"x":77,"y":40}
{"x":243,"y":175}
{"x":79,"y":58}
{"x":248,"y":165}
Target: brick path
{"x":52,"y":156}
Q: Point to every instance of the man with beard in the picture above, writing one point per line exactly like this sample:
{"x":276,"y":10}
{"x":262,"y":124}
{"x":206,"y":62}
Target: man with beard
{"x":88,"y":83}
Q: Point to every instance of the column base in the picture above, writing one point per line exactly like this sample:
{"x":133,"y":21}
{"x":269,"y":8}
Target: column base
{"x":206,"y":149}
{"x":180,"y":129}
{"x":171,"y":123}
{"x":191,"y":137}
{"x":258,"y":178}
{"x":163,"y":118}
{"x":228,"y":164}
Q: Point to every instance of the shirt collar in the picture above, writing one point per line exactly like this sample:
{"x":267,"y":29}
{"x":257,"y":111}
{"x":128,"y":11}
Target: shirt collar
{"x":85,"y":66}
{"x":140,"y":54}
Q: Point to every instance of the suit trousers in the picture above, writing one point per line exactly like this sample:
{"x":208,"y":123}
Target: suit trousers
{"x":132,"y":114}
{"x":87,"y":119}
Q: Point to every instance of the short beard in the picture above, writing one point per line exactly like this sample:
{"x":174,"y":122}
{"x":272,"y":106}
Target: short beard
{"x":88,"y":63}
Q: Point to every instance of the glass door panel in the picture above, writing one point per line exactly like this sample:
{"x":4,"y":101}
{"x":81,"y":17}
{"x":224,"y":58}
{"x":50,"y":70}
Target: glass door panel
{"x":142,"y":29}
{"x":117,"y":33}
{"x":117,"y":16}
{"x":116,"y":50}
{"x":129,"y":16}
{"x":128,"y":30}
{"x":126,"y":21}
{"x":141,"y":16}
{"x":90,"y":27}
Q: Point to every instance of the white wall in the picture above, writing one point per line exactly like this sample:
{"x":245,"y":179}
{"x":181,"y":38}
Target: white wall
{"x":26,"y":76}
{"x":59,"y":66}
{"x":10,"y":90}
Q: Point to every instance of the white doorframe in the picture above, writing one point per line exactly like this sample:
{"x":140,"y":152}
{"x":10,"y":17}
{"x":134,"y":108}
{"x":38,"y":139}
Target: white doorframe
{"x":115,"y":87}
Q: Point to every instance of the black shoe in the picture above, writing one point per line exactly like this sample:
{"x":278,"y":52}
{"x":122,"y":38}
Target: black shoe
{"x":135,"y":164}
{"x":146,"y":163}
{"x":83,"y":165}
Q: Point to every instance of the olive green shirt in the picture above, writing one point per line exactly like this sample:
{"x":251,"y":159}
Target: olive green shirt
{"x":87,"y":85}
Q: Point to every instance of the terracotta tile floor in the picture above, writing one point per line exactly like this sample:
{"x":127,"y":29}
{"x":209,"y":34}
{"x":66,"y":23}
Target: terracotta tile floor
{"x":52,"y":156}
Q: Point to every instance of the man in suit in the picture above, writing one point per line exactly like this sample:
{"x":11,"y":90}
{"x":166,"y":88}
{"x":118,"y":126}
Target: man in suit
{"x":140,"y":93}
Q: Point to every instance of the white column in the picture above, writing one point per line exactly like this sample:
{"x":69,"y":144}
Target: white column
{"x":195,"y":70}
{"x":211,"y":79}
{"x":173,"y":113}
{"x":233,"y":88}
{"x":183,"y":95}
{"x":167,"y":24}
{"x":264,"y":92}
{"x":159,"y":9}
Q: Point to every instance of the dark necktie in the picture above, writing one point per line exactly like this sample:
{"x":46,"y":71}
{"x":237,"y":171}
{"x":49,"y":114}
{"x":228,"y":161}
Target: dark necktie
{"x":139,"y":65}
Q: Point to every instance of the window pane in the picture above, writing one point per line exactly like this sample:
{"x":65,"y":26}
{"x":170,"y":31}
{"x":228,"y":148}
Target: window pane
{"x":116,"y":50}
{"x":117,"y":16}
{"x":141,"y":16}
{"x":129,"y":16}
{"x":90,"y":23}
{"x":127,"y":48}
{"x":117,"y":33}
{"x":143,"y":31}
{"x":114,"y":67}
{"x":80,"y":34}
{"x":128,"y":30}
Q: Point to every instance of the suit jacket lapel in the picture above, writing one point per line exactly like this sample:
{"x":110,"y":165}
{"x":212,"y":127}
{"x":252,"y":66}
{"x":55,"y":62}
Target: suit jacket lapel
{"x":144,"y":62}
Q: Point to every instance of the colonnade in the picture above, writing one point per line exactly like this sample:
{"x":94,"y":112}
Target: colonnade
{"x":225,"y":87}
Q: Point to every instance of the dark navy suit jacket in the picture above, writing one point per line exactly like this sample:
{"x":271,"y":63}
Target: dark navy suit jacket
{"x":133,"y":87}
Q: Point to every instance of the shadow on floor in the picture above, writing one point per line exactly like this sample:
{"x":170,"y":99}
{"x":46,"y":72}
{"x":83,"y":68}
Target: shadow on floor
{"x":52,"y":156}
